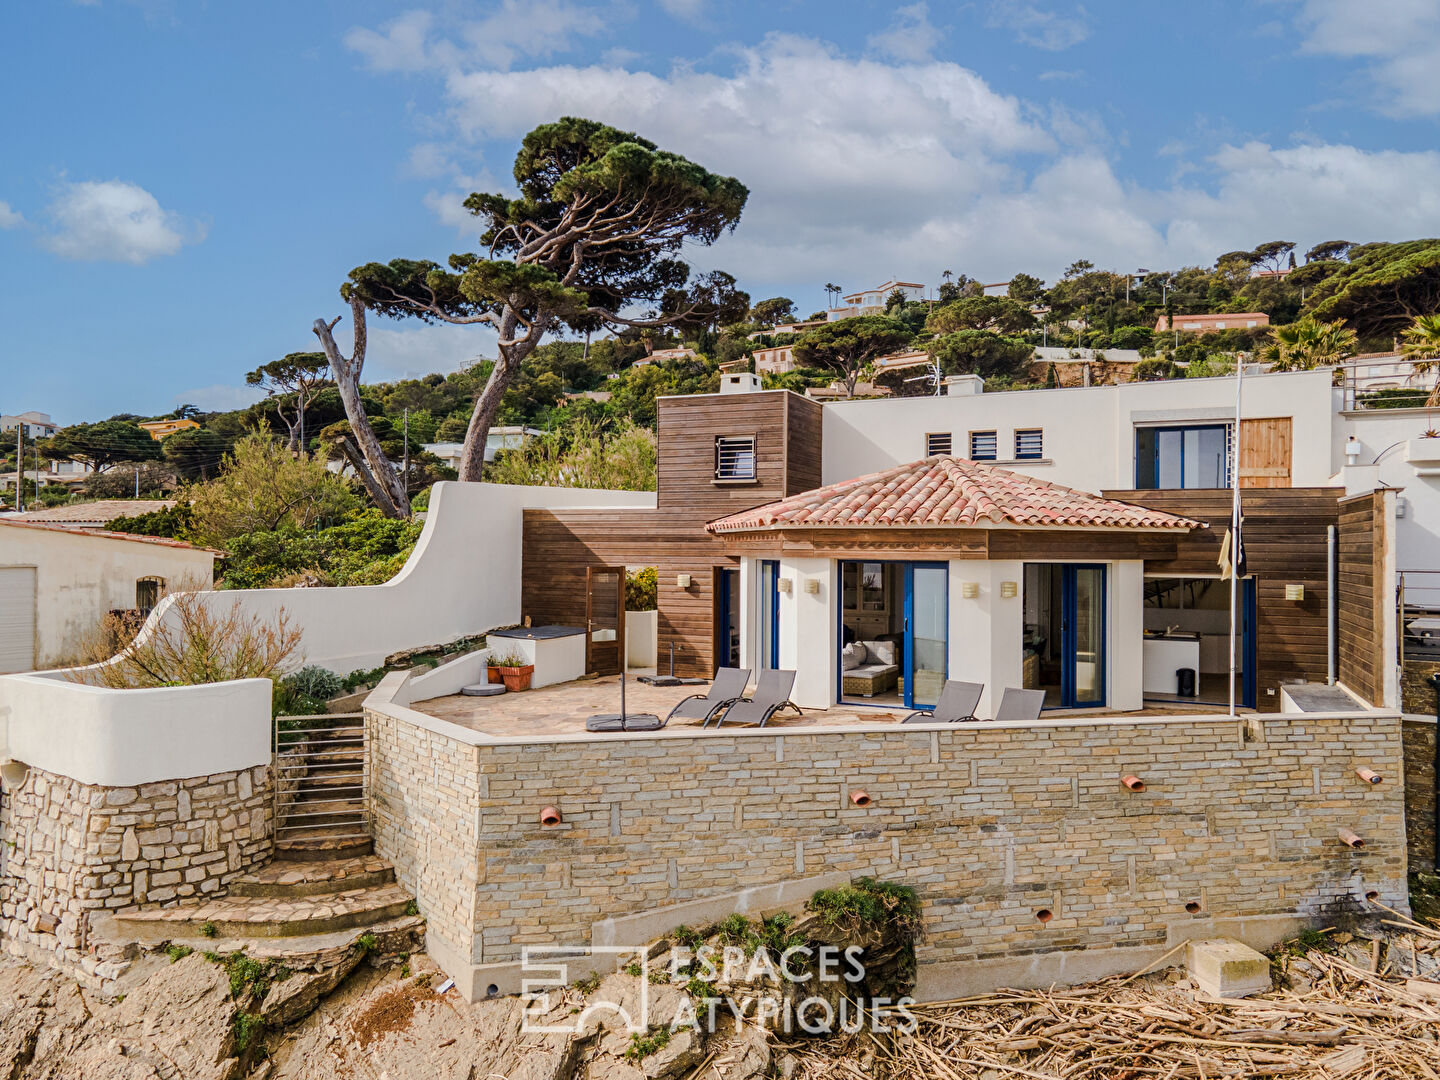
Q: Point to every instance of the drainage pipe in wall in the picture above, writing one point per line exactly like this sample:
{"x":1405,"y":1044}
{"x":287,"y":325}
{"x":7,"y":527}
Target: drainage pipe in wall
{"x":1330,"y":605}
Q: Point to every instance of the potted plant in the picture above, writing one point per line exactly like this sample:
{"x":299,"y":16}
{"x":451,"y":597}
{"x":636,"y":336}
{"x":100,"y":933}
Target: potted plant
{"x":513,"y":670}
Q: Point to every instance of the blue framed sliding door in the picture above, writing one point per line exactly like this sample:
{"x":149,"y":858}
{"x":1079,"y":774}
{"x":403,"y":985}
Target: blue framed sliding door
{"x":1065,"y":633}
{"x":927,"y":636}
{"x":767,"y":655}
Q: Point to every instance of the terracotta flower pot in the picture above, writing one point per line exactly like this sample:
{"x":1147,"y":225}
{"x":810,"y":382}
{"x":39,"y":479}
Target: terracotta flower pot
{"x":492,"y":673}
{"x":517,"y":678}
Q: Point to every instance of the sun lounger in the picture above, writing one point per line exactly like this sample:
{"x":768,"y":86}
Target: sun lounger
{"x":728,"y":687}
{"x":957,"y":702}
{"x":772,"y":693}
{"x":1020,"y":705}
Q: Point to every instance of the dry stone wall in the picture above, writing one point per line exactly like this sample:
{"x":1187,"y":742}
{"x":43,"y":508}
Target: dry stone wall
{"x":1420,"y":793}
{"x":72,"y":851}
{"x":991,"y":824}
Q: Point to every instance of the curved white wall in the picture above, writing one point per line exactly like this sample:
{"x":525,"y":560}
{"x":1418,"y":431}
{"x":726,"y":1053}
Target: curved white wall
{"x":462,"y":578}
{"x":121,"y":738}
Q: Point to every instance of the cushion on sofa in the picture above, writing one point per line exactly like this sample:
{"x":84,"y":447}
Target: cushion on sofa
{"x":852,"y":656}
{"x":880,"y":652}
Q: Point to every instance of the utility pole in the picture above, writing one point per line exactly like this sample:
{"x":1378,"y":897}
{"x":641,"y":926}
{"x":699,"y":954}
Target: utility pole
{"x":20,"y":466}
{"x":137,"y":481}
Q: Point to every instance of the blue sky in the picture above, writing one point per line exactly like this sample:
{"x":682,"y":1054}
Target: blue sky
{"x":184,"y":183}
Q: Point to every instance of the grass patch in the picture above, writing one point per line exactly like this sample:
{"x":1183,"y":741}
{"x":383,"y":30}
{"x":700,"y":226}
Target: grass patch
{"x":687,"y":938}
{"x":633,"y":969}
{"x":248,"y":1028}
{"x":178,"y":952}
{"x":412,"y":908}
{"x":208,"y":929}
{"x":735,"y":930}
{"x":699,"y":989}
{"x":588,"y":984}
{"x":867,"y":903}
{"x":642,"y":1046}
{"x":247,"y":975}
{"x":774,"y":935}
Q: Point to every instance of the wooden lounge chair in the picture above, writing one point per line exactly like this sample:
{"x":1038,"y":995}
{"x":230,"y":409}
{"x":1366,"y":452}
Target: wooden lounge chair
{"x":1020,"y":705}
{"x":957,"y":702}
{"x":727,"y":688}
{"x":772,"y":693}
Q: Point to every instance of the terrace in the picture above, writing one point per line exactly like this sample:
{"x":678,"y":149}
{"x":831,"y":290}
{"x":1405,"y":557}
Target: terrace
{"x":561,"y":710}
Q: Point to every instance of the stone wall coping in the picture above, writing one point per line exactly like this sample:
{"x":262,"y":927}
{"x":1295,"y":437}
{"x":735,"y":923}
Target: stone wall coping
{"x":1418,"y":718}
{"x":392,"y":699}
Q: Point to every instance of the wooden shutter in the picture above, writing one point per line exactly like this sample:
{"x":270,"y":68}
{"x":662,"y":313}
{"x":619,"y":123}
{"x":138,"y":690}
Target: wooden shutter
{"x":17,"y":618}
{"x":1265,"y":452}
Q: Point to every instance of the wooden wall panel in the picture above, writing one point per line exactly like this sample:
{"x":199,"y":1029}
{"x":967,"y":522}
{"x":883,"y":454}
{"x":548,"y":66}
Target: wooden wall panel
{"x":804,"y":426}
{"x":1265,"y":450}
{"x":1360,"y":566}
{"x":1285,"y":544}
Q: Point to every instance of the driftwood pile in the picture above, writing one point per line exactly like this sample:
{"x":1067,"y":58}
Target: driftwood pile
{"x":1350,"y":1007}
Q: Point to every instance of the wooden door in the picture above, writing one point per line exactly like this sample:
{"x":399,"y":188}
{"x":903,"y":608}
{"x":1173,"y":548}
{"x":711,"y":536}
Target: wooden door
{"x":1265,"y":452}
{"x":604,"y":619}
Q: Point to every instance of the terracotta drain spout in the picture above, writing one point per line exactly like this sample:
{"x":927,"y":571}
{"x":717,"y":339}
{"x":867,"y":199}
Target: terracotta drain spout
{"x":1193,"y":907}
{"x":1132,"y":782}
{"x":860,"y":797}
{"x":1044,"y":915}
{"x":550,"y":816}
{"x":1370,"y":776}
{"x":1350,"y":839}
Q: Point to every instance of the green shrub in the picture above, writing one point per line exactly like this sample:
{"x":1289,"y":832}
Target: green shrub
{"x":178,"y":952}
{"x":642,"y":1046}
{"x":316,"y":682}
{"x":247,"y":1028}
{"x":641,"y":589}
{"x":867,"y":902}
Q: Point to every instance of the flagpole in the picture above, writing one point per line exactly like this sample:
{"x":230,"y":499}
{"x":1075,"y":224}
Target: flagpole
{"x":1235,"y":523}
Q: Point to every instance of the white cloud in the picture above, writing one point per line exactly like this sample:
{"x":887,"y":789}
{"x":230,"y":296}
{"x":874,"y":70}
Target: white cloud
{"x":861,"y":168}
{"x":910,"y":35}
{"x":1399,"y":38}
{"x":691,"y":11}
{"x":114,"y":221}
{"x":10,"y":217}
{"x":1038,"y":26}
{"x":416,"y":40}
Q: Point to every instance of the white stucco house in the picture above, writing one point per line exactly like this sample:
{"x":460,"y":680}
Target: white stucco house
{"x":58,"y":583}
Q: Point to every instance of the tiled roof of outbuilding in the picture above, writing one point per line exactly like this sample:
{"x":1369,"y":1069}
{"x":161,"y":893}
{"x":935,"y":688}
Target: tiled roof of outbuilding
{"x":948,"y":491}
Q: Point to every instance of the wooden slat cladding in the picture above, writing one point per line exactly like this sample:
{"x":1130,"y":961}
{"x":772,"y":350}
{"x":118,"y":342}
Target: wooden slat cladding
{"x":560,"y":545}
{"x":840,"y":543}
{"x":1265,"y":452}
{"x":1360,"y":569}
{"x":1285,"y":544}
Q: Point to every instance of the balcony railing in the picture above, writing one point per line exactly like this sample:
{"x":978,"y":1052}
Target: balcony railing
{"x":1386,"y":382}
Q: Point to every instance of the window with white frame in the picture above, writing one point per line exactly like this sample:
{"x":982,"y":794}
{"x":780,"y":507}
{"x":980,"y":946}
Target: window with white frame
{"x":1029,"y":444}
{"x":735,"y":457}
{"x":938,"y":444}
{"x":984,"y":446}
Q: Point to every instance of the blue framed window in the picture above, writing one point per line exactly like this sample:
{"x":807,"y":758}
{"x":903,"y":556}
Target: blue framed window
{"x":1168,"y":458}
{"x":984,"y":446}
{"x":1029,"y":444}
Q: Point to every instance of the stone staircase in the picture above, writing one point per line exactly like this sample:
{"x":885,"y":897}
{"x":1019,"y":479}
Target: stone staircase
{"x":287,"y":899}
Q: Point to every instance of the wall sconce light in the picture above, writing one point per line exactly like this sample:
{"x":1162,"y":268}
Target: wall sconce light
{"x":812,"y":586}
{"x":1294,"y":592}
{"x":785,"y":585}
{"x":682,"y":581}
{"x":970,"y":589}
{"x":1009,"y":589}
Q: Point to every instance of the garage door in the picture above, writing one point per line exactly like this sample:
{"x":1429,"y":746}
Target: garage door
{"x":17,"y":618}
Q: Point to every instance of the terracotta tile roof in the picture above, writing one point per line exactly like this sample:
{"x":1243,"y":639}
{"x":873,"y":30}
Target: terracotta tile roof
{"x":97,"y":510}
{"x":947,"y":491}
{"x":17,"y":520}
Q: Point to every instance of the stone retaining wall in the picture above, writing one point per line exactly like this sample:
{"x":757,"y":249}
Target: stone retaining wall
{"x":1420,"y":793}
{"x":73,"y":851}
{"x":1417,"y":693}
{"x":991,"y":823}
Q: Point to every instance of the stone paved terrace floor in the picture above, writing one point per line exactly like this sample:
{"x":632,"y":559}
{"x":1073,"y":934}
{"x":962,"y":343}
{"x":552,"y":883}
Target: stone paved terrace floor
{"x":562,"y":709}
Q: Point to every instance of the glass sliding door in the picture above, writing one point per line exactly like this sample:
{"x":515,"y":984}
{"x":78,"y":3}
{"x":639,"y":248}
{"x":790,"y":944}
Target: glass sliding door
{"x":1065,"y":633}
{"x":767,"y":655}
{"x":927,"y":637}
{"x":727,"y":623}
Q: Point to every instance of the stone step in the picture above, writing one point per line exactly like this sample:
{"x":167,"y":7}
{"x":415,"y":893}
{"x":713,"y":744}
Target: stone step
{"x":312,"y":878}
{"x":266,"y":917}
{"x":322,"y":846}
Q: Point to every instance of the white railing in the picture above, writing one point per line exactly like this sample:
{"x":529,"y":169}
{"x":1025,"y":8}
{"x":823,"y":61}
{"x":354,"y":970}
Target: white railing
{"x":1384,"y":382}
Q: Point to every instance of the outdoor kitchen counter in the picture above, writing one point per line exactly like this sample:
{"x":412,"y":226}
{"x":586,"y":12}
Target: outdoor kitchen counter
{"x":558,"y":652}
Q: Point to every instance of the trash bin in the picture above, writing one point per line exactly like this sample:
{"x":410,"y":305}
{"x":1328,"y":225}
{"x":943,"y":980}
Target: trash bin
{"x":1185,"y":682}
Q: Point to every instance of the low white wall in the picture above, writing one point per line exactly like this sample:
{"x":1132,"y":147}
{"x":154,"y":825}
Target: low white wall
{"x":462,"y":578}
{"x":121,"y":738}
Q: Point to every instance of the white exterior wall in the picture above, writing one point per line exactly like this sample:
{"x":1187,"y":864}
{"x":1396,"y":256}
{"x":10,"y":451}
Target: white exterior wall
{"x":79,"y":577}
{"x":987,"y":633}
{"x":807,"y":631}
{"x":1125,"y":629}
{"x":1417,"y":528}
{"x":1089,"y":432}
{"x":462,"y":578}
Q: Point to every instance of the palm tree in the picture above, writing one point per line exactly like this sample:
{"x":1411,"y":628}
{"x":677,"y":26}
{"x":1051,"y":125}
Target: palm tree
{"x":1422,"y":348}
{"x":831,"y":287}
{"x":1308,"y":343}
